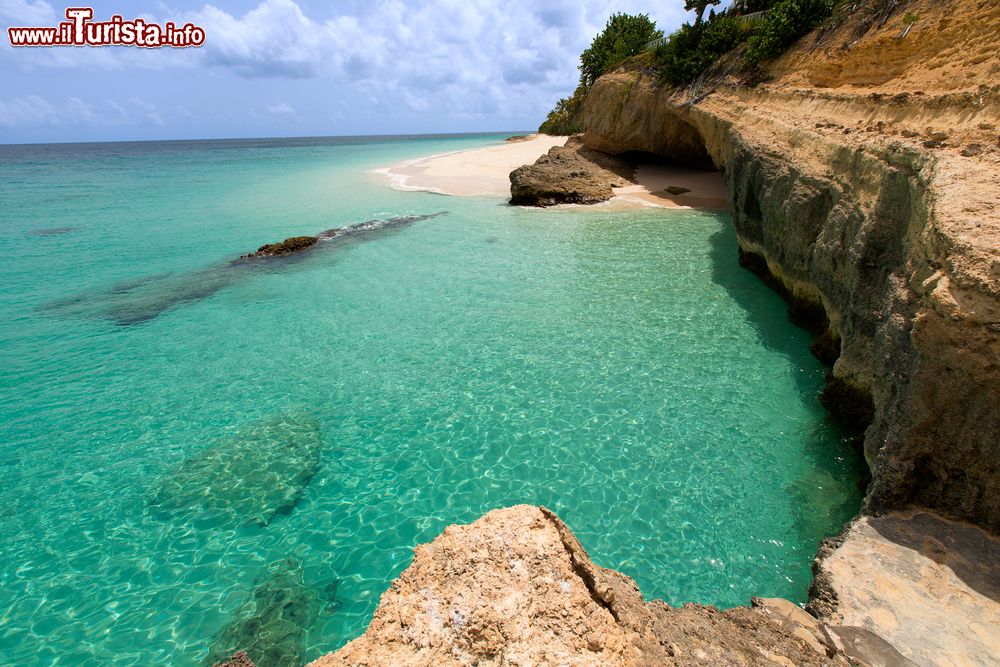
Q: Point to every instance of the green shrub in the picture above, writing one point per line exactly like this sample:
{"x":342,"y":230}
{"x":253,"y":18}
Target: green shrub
{"x":692,"y":49}
{"x":564,"y":119}
{"x":623,"y":36}
{"x":786,"y":22}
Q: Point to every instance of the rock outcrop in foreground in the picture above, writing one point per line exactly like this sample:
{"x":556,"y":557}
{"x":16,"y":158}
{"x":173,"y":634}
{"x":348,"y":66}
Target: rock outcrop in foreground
{"x":925,"y":584}
{"x":516,"y":588}
{"x":570,"y":174}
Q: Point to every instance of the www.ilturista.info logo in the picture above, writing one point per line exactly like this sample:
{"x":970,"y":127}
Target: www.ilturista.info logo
{"x":80,"y":30}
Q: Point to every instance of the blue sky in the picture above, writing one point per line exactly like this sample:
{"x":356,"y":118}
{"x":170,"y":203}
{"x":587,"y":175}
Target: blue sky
{"x":303,"y":67}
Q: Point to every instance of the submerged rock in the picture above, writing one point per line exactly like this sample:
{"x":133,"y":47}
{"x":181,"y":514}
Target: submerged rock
{"x":269,"y":628}
{"x":516,"y":588}
{"x":238,"y":659}
{"x":52,"y":231}
{"x":139,"y":300}
{"x":570,"y":174}
{"x":248,"y":479}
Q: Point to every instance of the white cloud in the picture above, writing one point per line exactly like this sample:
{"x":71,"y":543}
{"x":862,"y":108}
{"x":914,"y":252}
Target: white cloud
{"x":24,"y":13}
{"x":506,"y":59}
{"x":35,"y":111}
{"x":280,"y":109}
{"x":27,"y":110}
{"x":146,"y":110}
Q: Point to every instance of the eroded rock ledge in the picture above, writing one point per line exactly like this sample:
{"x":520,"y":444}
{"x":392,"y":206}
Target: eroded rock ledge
{"x":516,"y":588}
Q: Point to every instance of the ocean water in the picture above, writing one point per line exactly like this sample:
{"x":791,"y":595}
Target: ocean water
{"x":188,"y":445}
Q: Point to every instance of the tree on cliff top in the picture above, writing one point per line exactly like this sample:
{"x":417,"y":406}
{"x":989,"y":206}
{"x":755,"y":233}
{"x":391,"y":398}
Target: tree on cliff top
{"x":699,"y":6}
{"x":623,"y":37}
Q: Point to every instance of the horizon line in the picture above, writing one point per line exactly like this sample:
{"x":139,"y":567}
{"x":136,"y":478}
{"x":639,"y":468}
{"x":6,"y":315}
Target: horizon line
{"x":273,"y":138}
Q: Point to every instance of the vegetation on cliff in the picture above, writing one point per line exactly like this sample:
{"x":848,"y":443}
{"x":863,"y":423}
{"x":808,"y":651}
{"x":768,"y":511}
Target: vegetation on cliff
{"x":754,"y":30}
{"x":623,"y":36}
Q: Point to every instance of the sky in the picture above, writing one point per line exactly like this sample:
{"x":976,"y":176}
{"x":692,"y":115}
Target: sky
{"x":276,"y":68}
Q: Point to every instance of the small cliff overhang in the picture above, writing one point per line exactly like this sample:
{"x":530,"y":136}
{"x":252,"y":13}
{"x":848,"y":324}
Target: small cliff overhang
{"x":618,"y":122}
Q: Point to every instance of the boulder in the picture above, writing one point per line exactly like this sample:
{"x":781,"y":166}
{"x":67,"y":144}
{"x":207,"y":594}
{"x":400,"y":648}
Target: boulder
{"x":286,"y":247}
{"x":570,"y":174}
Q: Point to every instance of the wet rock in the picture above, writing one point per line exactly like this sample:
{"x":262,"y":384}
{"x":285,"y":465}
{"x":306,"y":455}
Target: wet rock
{"x":269,"y":628}
{"x":286,"y":247}
{"x":247,"y":479}
{"x":238,"y":659}
{"x":676,"y":190}
{"x":570,"y":174}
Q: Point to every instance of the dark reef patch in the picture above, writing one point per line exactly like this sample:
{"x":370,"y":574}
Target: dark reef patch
{"x":286,"y":247}
{"x":271,"y":625}
{"x":145,"y":298}
{"x":52,"y":231}
{"x":247,"y":479}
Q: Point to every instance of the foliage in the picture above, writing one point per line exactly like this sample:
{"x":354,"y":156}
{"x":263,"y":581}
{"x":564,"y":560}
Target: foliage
{"x":623,"y":36}
{"x":750,"y":6}
{"x":786,"y":22}
{"x":564,"y":119}
{"x":693,"y":48}
{"x":699,"y":6}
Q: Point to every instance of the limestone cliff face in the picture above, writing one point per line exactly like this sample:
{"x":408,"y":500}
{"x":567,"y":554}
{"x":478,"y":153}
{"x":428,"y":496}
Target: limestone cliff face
{"x":871,"y":204}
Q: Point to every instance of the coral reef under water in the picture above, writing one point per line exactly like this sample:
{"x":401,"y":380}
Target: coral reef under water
{"x":247,"y":479}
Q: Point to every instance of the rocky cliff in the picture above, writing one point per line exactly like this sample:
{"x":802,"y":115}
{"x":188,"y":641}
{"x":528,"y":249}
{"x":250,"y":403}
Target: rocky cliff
{"x":863,"y":179}
{"x":516,"y":588}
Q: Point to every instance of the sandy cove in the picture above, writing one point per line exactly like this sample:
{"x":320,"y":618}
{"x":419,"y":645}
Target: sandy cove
{"x":485,"y":172}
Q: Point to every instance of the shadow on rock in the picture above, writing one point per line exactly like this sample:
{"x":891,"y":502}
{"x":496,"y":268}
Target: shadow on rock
{"x":248,"y":479}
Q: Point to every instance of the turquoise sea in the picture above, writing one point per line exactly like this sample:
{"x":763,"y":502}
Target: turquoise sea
{"x":190,"y":446}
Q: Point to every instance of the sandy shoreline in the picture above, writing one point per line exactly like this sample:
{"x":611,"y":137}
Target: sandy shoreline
{"x":479,"y":172}
{"x":484,"y":172}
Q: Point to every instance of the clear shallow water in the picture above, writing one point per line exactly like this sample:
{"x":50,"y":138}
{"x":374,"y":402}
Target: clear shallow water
{"x":617,"y":367}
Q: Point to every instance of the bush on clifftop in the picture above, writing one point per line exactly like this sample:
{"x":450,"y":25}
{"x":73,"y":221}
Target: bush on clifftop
{"x":786,"y":22}
{"x":693,"y":48}
{"x":624,"y":36}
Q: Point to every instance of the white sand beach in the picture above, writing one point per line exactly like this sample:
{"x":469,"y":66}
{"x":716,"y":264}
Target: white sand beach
{"x":480,"y":172}
{"x":706,"y":189}
{"x":485,"y":172}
